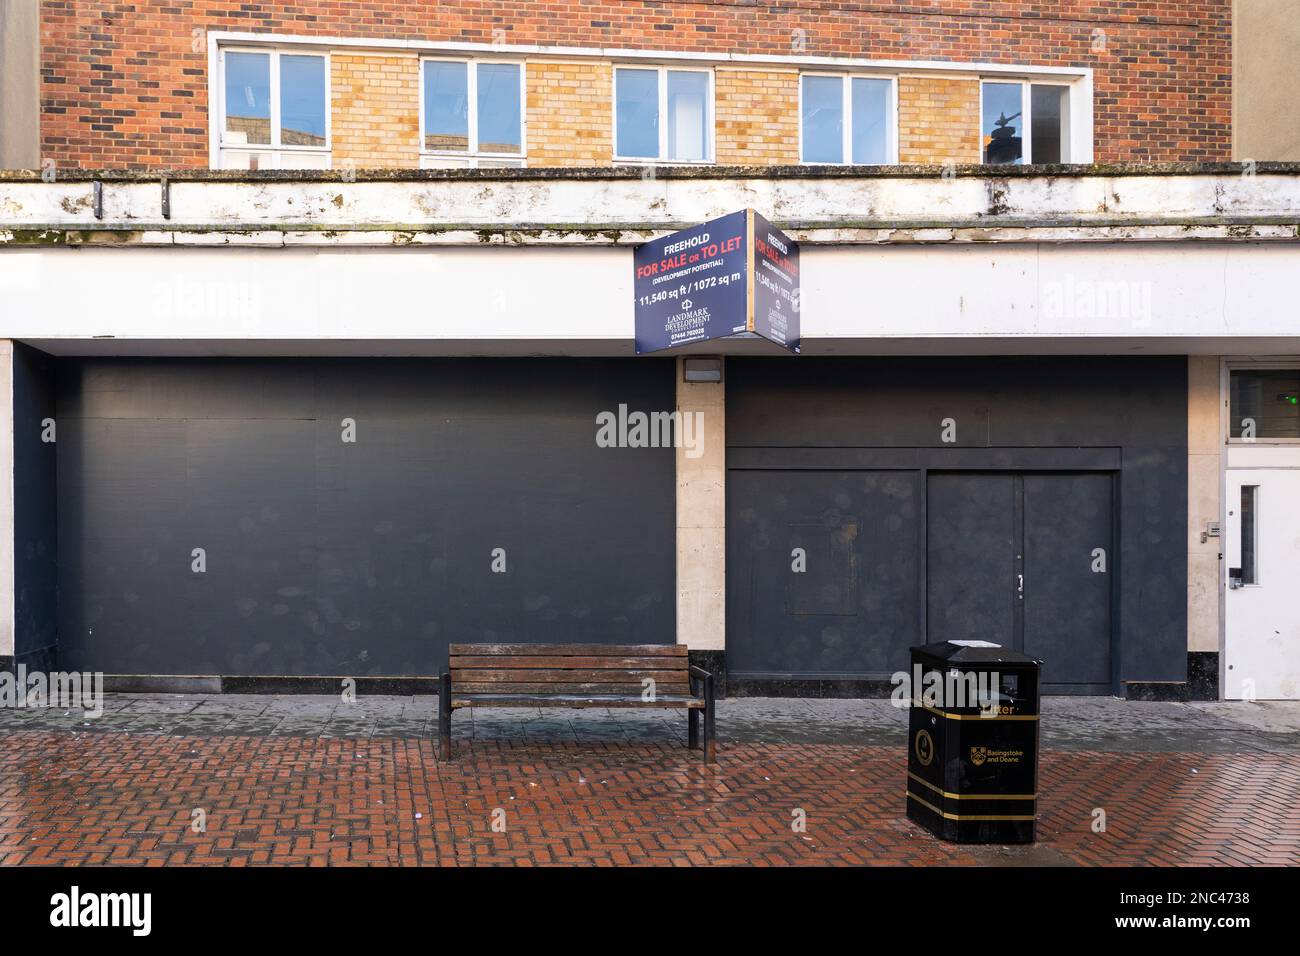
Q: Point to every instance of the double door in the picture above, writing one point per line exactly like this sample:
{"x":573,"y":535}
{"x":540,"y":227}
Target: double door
{"x":1025,"y":560}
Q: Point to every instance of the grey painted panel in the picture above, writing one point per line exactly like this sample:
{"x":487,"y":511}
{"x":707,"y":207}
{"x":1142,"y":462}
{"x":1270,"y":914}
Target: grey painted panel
{"x":1067,"y":605}
{"x":851,"y":412}
{"x":365,"y":557}
{"x":124,"y":563}
{"x":855,"y":609}
{"x":971,"y":556}
{"x":35,"y":508}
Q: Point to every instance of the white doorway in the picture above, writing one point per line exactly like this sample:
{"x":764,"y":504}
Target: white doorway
{"x":1261,"y":547}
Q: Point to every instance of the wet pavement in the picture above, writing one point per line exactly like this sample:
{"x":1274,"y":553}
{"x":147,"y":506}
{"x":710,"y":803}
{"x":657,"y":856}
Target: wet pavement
{"x":1068,"y":723}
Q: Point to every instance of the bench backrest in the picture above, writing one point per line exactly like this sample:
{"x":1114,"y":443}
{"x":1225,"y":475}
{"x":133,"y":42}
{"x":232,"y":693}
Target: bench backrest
{"x":601,"y":669}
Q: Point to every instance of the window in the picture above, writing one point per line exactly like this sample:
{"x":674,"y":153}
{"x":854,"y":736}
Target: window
{"x":1010,"y":107}
{"x":274,"y":110}
{"x":471,"y":113}
{"x":1264,"y":404}
{"x":684,"y":97}
{"x":1249,"y":534}
{"x":847,"y":119}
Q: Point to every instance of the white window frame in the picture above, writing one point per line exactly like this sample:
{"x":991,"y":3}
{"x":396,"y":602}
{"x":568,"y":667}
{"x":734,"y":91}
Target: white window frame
{"x":710,"y":122}
{"x":1070,"y":125}
{"x":473,"y":156}
{"x":846,"y":100}
{"x":279,"y":151}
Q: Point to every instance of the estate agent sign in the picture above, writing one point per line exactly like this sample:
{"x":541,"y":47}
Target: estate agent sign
{"x":730,"y":276}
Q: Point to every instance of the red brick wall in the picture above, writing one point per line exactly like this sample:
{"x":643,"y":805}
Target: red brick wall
{"x":123,"y":85}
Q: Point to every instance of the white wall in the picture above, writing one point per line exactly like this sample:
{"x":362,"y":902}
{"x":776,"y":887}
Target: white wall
{"x":1029,"y":298}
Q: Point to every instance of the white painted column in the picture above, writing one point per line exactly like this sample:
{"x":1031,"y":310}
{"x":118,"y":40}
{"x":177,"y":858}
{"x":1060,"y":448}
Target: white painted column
{"x":7,"y":594}
{"x":1203,"y":505}
{"x":702,"y":517}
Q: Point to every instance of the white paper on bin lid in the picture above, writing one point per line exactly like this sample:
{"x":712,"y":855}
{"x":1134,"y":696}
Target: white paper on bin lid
{"x":974,"y":643}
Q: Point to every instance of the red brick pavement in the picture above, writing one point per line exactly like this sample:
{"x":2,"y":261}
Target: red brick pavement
{"x":128,"y":799}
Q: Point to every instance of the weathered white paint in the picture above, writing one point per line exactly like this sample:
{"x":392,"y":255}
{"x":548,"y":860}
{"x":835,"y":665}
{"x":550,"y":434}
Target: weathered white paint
{"x":1031,"y":298}
{"x":702,"y":519}
{"x":834,"y":209}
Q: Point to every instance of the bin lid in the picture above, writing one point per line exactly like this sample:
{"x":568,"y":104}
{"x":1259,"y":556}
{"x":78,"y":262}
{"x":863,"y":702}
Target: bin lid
{"x":974,"y":652}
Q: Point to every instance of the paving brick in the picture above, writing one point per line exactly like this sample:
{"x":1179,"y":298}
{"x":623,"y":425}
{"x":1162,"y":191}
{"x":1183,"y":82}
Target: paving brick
{"x":123,"y":798}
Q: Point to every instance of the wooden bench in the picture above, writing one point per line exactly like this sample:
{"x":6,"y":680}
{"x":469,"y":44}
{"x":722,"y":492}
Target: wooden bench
{"x":576,"y":675}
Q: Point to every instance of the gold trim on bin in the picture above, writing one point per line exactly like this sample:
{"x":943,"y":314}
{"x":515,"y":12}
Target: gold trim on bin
{"x":961,"y":817}
{"x":972,"y":796}
{"x":941,"y":713}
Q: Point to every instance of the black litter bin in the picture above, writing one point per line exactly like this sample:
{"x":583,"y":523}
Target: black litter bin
{"x":972,"y":759}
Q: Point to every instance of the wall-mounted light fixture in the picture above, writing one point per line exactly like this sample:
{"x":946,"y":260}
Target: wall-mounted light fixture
{"x":702,"y":370}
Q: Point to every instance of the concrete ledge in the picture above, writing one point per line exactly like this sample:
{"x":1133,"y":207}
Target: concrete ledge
{"x":265,"y":684}
{"x":638,"y":171}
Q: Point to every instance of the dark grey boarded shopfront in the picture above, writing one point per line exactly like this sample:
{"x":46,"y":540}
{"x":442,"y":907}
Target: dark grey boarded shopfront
{"x":329,"y":557}
{"x":1054,"y":520}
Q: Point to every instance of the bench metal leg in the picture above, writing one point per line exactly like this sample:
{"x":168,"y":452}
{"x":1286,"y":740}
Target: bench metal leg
{"x":444,"y":718}
{"x":693,"y":728}
{"x":710,"y":747}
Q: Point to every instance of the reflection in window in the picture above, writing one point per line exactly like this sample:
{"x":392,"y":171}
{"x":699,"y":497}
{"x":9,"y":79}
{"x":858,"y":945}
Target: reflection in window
{"x":637,"y":108}
{"x":446,"y":106}
{"x":825,"y":138}
{"x":683,"y":135}
{"x":248,"y":99}
{"x":1264,"y":403}
{"x":1002,"y":109}
{"x":823,"y":119}
{"x":499,"y":108}
{"x":688,"y":132}
{"x":872,"y":115}
{"x":1249,"y":534}
{"x":1049,"y":123}
{"x":302,"y":100}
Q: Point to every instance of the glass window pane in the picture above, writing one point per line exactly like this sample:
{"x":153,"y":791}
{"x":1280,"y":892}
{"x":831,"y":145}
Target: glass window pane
{"x":1264,"y":404}
{"x":302,"y":100}
{"x":870,"y":121}
{"x":499,"y":108}
{"x":1003,"y":138}
{"x":823,"y":119}
{"x":1249,"y":533}
{"x":688,"y":115}
{"x":248,"y":98}
{"x":1048,"y":124}
{"x":446,"y":106}
{"x":636,"y":113}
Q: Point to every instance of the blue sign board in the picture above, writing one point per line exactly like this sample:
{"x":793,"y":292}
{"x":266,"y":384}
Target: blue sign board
{"x":729,"y":276}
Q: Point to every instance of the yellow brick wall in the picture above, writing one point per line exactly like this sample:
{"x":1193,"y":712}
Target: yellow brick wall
{"x":375,"y":110}
{"x":938,"y":120}
{"x":757,"y":117}
{"x":570,"y":114}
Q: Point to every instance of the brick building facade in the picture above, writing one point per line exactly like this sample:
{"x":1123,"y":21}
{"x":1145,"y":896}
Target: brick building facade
{"x":129,"y":85}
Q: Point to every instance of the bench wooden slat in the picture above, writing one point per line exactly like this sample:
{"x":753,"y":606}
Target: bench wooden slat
{"x":568,"y":687}
{"x":551,"y":663}
{"x":566,"y":675}
{"x":574,"y":675}
{"x":571,"y":650}
{"x":573,"y":700}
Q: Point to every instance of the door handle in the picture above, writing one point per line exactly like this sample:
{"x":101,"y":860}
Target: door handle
{"x":1021,"y":583}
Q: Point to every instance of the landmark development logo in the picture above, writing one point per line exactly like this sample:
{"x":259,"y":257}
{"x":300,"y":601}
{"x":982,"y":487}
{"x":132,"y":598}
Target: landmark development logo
{"x":76,"y":909}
